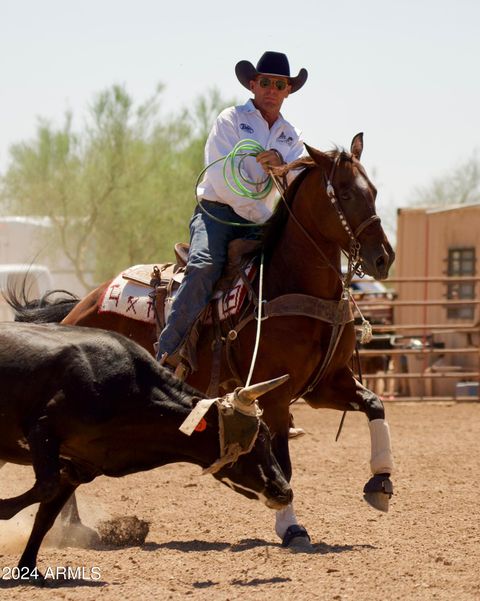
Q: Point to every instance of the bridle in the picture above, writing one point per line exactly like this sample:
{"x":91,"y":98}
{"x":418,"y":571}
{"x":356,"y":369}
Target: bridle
{"x":355,"y":246}
{"x":353,"y":254}
{"x":354,"y":267}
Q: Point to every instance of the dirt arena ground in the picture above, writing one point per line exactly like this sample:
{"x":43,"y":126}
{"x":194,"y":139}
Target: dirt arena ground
{"x":206,"y":542}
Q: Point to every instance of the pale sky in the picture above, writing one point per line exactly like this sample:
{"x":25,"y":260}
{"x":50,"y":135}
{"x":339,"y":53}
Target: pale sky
{"x":406,"y":73}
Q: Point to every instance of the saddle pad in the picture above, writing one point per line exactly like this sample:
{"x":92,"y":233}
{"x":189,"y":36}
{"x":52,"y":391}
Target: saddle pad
{"x":230,"y":302}
{"x":129,"y":299}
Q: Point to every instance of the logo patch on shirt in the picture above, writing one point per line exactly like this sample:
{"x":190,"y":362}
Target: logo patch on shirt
{"x":246,"y":128}
{"x":282,"y":138}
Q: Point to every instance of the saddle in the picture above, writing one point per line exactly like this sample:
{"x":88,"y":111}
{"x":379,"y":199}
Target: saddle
{"x":165,"y":279}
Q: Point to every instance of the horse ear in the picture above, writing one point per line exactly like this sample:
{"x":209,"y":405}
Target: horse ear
{"x":357,"y":146}
{"x":319,"y":157}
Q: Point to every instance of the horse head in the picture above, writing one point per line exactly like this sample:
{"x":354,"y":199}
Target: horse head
{"x":349,"y":218}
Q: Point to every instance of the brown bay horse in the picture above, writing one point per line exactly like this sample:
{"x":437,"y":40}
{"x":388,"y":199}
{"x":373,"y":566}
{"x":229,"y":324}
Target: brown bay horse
{"x":307,"y":328}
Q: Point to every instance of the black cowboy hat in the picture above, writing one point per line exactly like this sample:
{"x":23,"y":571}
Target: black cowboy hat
{"x":271,"y":63}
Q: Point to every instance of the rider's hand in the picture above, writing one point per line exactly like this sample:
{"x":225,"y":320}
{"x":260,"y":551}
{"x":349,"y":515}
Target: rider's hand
{"x":268,"y":159}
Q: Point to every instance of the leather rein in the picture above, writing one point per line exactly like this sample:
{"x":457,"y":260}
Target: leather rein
{"x":353,"y":254}
{"x":317,"y":307}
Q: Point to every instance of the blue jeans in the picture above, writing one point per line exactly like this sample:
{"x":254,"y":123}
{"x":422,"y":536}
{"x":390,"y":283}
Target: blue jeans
{"x":206,"y":259}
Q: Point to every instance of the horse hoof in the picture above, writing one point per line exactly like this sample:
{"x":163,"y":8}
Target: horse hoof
{"x":378,"y":500}
{"x":378,"y":491}
{"x":296,"y":539}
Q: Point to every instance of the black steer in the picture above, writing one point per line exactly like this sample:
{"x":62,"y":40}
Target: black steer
{"x":77,"y":403}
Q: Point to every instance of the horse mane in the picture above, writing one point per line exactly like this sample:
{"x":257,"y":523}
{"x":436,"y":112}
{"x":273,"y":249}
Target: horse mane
{"x":275,"y":224}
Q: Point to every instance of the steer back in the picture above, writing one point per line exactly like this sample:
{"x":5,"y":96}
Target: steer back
{"x":113,"y":410}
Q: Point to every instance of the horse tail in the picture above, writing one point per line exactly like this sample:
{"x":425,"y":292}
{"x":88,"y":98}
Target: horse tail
{"x":41,"y":310}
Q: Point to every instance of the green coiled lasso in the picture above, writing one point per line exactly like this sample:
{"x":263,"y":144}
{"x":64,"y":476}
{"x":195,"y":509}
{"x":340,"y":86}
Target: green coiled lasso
{"x":243,"y":149}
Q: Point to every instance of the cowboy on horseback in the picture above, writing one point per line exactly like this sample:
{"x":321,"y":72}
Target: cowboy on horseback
{"x":224,"y":215}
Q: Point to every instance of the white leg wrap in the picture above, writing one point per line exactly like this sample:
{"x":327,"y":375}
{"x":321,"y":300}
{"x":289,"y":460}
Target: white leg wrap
{"x":283,"y":519}
{"x":381,"y":460}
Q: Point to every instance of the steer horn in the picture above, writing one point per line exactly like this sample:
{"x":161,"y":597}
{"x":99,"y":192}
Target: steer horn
{"x":249,"y":394}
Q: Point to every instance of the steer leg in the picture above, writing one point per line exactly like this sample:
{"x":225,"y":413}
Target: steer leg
{"x":46,"y":514}
{"x":44,"y":449}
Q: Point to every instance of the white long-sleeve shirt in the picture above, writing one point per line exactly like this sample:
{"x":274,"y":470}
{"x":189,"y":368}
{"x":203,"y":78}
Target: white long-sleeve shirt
{"x":232,"y":125}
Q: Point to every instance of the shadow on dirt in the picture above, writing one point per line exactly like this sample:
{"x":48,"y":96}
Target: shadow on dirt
{"x":52,"y":583}
{"x":260,"y":581}
{"x":325,"y":549}
{"x":187,"y":546}
{"x":246,"y":545}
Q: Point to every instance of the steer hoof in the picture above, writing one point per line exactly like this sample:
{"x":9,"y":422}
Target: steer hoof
{"x":378,"y":491}
{"x":296,"y":539}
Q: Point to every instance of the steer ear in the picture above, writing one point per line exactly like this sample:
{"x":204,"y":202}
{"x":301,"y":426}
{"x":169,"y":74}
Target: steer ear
{"x":249,"y":394}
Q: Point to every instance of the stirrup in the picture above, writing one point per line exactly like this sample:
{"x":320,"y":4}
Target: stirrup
{"x":181,"y":371}
{"x":296,"y":432}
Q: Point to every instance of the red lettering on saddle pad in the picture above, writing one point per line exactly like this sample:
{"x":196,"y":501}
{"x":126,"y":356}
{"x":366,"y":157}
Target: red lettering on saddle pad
{"x":149,"y":308}
{"x":131,"y":301}
{"x":230,"y":302}
{"x":111,"y":296}
{"x":231,"y":299}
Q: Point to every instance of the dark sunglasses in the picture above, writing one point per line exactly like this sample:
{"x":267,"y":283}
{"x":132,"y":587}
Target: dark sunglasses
{"x":266,"y":82}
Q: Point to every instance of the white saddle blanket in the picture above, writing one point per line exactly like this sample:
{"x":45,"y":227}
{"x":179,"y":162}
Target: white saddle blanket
{"x":129,"y":299}
{"x":132,"y":300}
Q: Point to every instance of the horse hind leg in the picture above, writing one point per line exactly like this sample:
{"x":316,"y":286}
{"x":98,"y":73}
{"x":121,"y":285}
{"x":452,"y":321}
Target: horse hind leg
{"x":293,"y":535}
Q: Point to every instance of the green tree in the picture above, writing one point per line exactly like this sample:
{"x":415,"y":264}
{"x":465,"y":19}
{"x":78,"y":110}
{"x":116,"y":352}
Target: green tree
{"x":121,"y":190}
{"x":460,"y":186}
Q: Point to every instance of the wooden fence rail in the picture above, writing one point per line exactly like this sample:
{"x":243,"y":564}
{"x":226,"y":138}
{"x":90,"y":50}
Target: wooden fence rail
{"x":415,"y":359}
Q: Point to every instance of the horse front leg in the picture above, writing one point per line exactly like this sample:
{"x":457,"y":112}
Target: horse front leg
{"x":379,"y":489}
{"x":346,"y":393}
{"x":292,"y":534}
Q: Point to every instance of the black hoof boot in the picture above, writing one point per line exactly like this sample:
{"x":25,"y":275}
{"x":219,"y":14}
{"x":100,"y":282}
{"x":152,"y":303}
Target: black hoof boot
{"x":378,"y":491}
{"x":296,"y":538}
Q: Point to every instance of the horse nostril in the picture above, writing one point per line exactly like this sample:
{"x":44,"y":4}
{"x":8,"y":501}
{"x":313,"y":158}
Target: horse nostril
{"x":380,"y":262}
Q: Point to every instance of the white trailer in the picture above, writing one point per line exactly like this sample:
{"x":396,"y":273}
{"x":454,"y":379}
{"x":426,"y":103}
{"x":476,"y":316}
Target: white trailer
{"x":31,"y":241}
{"x":34,"y":280}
